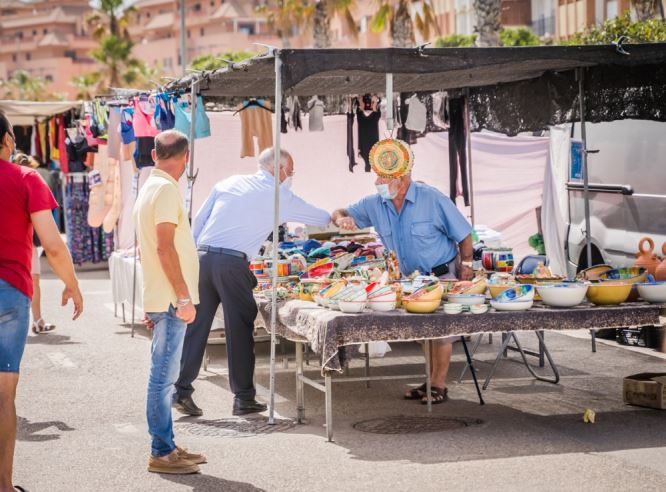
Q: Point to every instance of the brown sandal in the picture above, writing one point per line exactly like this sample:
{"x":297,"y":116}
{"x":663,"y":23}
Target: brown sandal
{"x":416,"y":393}
{"x":437,"y":396}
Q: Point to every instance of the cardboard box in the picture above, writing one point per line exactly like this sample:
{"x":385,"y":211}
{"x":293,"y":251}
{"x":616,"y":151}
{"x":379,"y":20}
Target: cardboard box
{"x":647,"y":389}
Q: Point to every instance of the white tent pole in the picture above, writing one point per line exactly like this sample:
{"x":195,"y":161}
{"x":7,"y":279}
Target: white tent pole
{"x":389,"y":102}
{"x":586,"y":189}
{"x":469,"y":157}
{"x":276,"y":228}
{"x":191,"y":177}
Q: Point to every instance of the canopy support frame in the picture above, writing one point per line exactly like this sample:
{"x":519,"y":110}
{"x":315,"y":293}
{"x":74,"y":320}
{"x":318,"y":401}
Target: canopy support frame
{"x":586,"y":183}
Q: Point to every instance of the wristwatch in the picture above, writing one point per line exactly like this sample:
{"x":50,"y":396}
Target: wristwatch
{"x":183,"y":302}
{"x":468,"y":264}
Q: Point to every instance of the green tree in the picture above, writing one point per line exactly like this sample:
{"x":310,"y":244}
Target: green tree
{"x":213,"y":62}
{"x":286,"y":17}
{"x":520,"y":36}
{"x":456,"y":41}
{"x":86,"y":86}
{"x":396,"y":15}
{"x":23,"y":86}
{"x":650,"y":31}
{"x":320,"y":19}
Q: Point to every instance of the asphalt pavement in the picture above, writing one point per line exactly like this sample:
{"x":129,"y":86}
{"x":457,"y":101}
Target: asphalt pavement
{"x":82,"y":426}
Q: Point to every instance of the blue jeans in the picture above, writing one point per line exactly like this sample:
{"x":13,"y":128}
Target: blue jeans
{"x":14,"y":324}
{"x":168,"y":336}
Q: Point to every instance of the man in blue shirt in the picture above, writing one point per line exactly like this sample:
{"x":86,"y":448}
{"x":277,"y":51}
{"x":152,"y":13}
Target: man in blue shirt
{"x":429,"y":234}
{"x":228,"y":230}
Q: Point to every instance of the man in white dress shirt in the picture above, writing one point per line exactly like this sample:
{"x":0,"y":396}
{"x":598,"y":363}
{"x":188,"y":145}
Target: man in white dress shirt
{"x":229,"y":229}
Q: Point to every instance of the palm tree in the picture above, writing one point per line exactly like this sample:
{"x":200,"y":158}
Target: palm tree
{"x":645,"y":9}
{"x":286,"y":17}
{"x":396,"y":15}
{"x":324,"y":11}
{"x":86,"y":85}
{"x":488,"y":22}
{"x":24,"y":87}
{"x":109,"y":26}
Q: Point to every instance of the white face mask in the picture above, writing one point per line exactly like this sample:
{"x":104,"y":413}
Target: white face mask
{"x":385,"y":192}
{"x":286,"y":184}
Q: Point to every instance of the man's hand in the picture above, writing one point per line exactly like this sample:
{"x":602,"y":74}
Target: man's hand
{"x":74,"y":294}
{"x":466,"y":273}
{"x":187,"y":313}
{"x":346,"y":223}
{"x":148,"y":322}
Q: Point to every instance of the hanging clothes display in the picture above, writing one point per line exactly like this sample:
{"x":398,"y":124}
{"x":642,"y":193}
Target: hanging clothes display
{"x":368,"y":134}
{"x":256,"y":121}
{"x":351,"y":153}
{"x":62,"y":144}
{"x":112,"y":197}
{"x":294,"y":106}
{"x":97,"y":208}
{"x":164,"y":116}
{"x":113,"y":132}
{"x":283,"y":120}
{"x":416,"y":115}
{"x":86,"y":244}
{"x":143,"y":152}
{"x":183,"y":119}
{"x":458,"y":150}
{"x":77,"y":150}
{"x":316,"y":114}
{"x":142,"y":119}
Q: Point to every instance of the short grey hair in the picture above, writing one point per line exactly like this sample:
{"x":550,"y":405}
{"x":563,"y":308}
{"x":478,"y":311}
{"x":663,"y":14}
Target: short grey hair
{"x":267,"y":159}
{"x":170,"y":143}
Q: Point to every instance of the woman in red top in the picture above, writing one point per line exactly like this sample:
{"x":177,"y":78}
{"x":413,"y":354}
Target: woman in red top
{"x":27,"y":203}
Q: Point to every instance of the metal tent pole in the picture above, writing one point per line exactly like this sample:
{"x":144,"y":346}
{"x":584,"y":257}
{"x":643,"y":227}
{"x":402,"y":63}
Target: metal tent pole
{"x":136,"y":196}
{"x":469,"y":156}
{"x":183,"y":37}
{"x":389,"y":102}
{"x":586,"y":188}
{"x":276,"y":225}
{"x":191,"y":175}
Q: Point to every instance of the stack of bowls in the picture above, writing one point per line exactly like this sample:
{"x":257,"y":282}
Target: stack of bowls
{"x":426,"y":299}
{"x":562,"y":295}
{"x":631,"y":275}
{"x":519,"y":298}
{"x":479,"y":308}
{"x":353,"y":299}
{"x":453,"y":308}
{"x":382,"y":298}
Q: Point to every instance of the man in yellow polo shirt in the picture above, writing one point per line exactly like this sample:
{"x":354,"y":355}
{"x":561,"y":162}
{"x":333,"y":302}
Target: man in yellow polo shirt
{"x":170,"y":291}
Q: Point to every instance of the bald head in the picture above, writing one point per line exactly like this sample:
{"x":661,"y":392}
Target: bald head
{"x":171,"y":152}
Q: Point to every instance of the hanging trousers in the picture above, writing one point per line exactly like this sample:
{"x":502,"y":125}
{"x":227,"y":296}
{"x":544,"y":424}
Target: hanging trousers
{"x":228,"y":280}
{"x":457,"y":149}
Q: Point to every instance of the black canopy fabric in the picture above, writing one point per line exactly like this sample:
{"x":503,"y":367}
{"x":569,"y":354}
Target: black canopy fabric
{"x":510,"y":89}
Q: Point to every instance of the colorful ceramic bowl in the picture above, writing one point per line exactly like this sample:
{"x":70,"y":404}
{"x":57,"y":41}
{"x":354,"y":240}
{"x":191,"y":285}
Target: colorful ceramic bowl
{"x":608,"y":293}
{"x":496,"y":290}
{"x":421,"y":306}
{"x":519,"y":293}
{"x":531,"y":279}
{"x":631,"y":275}
{"x":593,"y":272}
{"x":352,"y":307}
{"x":479,"y":308}
{"x":562,"y":295}
{"x":653,"y":292}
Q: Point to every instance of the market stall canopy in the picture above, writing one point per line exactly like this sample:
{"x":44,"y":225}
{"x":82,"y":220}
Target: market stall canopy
{"x":511,"y":89}
{"x":25,"y":112}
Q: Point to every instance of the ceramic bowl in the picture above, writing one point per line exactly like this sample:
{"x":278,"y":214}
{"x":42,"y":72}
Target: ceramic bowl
{"x":431,"y":293}
{"x":631,"y":275}
{"x":453,"y":308}
{"x":421,"y":305}
{"x":512,"y":305}
{"x":479,"y":308}
{"x":531,"y":279}
{"x":467,"y":299}
{"x":382,"y":305}
{"x":519,"y":293}
{"x":562,"y":295}
{"x":470,"y":287}
{"x":608,"y":293}
{"x":318,"y":299}
{"x":653,"y":292}
{"x":351,"y":306}
{"x":593,"y":273}
{"x":496,"y":290}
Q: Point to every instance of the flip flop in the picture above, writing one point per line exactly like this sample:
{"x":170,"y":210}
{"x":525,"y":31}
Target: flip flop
{"x":40,"y":326}
{"x":416,"y":393}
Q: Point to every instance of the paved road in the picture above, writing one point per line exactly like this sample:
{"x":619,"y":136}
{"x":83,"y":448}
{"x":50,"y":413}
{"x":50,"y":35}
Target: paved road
{"x":82,"y":425}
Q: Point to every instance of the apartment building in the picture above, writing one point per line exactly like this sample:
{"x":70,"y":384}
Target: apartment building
{"x":45,"y":38}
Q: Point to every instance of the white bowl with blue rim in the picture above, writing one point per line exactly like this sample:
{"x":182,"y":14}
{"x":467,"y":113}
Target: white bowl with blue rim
{"x":562,"y":295}
{"x":654,"y":292}
{"x":519,"y":293}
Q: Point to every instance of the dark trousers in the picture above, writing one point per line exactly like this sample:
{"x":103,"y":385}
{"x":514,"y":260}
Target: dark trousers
{"x":226,"y":279}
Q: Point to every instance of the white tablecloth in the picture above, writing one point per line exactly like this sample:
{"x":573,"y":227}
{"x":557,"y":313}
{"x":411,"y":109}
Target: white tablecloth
{"x":121,"y":268}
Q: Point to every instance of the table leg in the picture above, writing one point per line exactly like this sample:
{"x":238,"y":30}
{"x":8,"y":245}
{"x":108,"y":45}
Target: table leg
{"x":122,"y":305}
{"x":329,"y":408}
{"x":115,"y":309}
{"x":367,"y":364}
{"x":475,"y":347}
{"x":285,"y":358}
{"x":473,"y":371}
{"x":426,"y":349}
{"x":505,"y":343}
{"x":541,"y":347}
{"x":593,"y":334}
{"x":205,"y":360}
{"x":300,"y":395}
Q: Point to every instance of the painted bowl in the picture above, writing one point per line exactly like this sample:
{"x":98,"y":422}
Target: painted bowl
{"x":479,"y":308}
{"x":496,"y":290}
{"x":631,"y":275}
{"x":421,"y":306}
{"x":333,"y":289}
{"x":652,"y":292}
{"x":519,"y":293}
{"x":593,"y":272}
{"x":512,"y":305}
{"x":562,"y":295}
{"x":429,"y":293}
{"x":352,"y":307}
{"x":470,"y":287}
{"x":608,"y":293}
{"x":531,"y":279}
{"x":467,"y":299}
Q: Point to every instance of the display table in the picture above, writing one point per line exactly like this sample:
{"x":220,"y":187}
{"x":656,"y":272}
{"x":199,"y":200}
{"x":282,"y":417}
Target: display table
{"x":331,"y":333}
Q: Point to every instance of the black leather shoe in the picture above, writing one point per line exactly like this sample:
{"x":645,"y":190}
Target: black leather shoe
{"x":243,"y":407}
{"x":187,"y":406}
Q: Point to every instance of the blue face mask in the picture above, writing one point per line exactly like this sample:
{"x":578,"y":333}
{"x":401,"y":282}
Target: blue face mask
{"x":385,"y":192}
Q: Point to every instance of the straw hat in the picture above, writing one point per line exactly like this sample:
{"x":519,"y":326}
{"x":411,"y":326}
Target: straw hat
{"x":391,"y":158}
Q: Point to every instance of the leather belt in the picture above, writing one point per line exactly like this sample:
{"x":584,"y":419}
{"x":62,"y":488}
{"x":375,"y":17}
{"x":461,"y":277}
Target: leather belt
{"x":223,"y":251}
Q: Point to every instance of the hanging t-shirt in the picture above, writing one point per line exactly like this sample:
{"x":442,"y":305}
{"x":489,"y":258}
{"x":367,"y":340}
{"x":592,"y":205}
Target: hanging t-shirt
{"x":142,"y":121}
{"x":316,"y":114}
{"x":416,"y":117}
{"x":256,"y":122}
{"x":24,"y":192}
{"x":368,"y":134}
{"x":114,"y":133}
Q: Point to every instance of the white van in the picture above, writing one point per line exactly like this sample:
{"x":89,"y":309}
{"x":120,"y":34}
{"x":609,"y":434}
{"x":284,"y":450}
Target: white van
{"x":627,"y":182}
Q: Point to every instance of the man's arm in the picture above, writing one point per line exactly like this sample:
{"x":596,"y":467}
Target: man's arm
{"x":166,"y":252}
{"x":59,"y":258}
{"x":343,"y":220}
{"x":466,"y":254}
{"x":298,"y":210}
